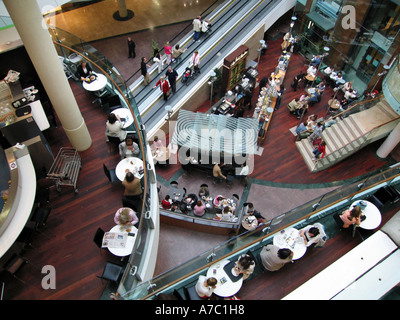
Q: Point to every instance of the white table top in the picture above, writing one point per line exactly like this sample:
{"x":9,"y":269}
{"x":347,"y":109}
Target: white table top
{"x":97,"y":85}
{"x":373,"y":216}
{"x":131,"y":164}
{"x":227,"y":288}
{"x":126,"y":114}
{"x":130,"y":242}
{"x":290,"y":238}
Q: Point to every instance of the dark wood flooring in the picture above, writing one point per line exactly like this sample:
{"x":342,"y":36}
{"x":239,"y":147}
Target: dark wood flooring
{"x":66,"y":242}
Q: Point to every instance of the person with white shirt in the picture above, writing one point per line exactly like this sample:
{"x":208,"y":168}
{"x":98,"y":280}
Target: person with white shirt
{"x":196,"y":61}
{"x":205,"y":286}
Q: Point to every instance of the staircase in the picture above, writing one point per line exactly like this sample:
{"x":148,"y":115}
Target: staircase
{"x":350,"y":134}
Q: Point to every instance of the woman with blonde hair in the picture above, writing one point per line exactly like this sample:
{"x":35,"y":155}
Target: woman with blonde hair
{"x":125,"y":216}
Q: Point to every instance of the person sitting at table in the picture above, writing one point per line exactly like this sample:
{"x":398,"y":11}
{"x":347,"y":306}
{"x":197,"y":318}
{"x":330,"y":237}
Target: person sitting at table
{"x":294,"y":105}
{"x":125,"y":216}
{"x":217,"y":201}
{"x":350,"y":217}
{"x":313,"y":235}
{"x":312,"y":71}
{"x":166,"y":203}
{"x":190,"y":201}
{"x":316,"y":61}
{"x":157,"y":143}
{"x":226,"y":214}
{"x":128,"y":148}
{"x":84,"y":70}
{"x":249,"y":210}
{"x":114,"y":127}
{"x":205,"y":286}
{"x":274,"y":258}
{"x":347,"y":86}
{"x":199,"y":209}
{"x":133,"y":188}
{"x":349,"y":95}
{"x":217,"y":172}
{"x":245,"y":265}
{"x":339,"y":80}
{"x":204,"y":192}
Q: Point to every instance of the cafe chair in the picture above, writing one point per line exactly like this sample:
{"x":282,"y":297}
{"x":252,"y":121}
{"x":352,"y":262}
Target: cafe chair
{"x":110,"y":174}
{"x":191,"y":293}
{"x":173,"y":184}
{"x":26,"y":236}
{"x":373,"y":199}
{"x":111,"y":272}
{"x":42,"y":196}
{"x":387,"y":194}
{"x":40,"y":215}
{"x":98,"y":238}
{"x":113,"y":142}
{"x":204,"y":185}
{"x":14,"y":264}
{"x":234,"y":195}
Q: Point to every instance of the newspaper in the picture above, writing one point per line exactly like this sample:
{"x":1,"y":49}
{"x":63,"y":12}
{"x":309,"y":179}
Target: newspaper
{"x":114,"y":240}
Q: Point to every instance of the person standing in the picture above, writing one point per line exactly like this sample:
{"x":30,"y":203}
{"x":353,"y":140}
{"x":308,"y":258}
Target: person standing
{"x":172,"y":75}
{"x":168,"y":52}
{"x":196,"y":61}
{"x":131,"y":48}
{"x":145,"y":74}
{"x":197,"y":28}
{"x":158,"y":59}
{"x":177,"y":52}
{"x":164,"y":86}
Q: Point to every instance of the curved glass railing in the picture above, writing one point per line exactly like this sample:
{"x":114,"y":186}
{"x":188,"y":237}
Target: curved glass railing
{"x":72,"y":50}
{"x":310,"y":212}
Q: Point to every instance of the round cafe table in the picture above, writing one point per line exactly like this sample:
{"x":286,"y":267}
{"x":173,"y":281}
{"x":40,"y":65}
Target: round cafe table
{"x":96,"y":85}
{"x":130,"y":241}
{"x":124,"y":113}
{"x":290,"y":238}
{"x":334,"y":104}
{"x":373,"y":216}
{"x":225,"y":286}
{"x":249,"y":222}
{"x":129,"y":164}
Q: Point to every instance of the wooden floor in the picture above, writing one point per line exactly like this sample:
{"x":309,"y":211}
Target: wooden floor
{"x":66,"y":242}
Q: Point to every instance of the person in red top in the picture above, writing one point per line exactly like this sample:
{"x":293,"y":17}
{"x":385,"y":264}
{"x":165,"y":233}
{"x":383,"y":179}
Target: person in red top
{"x":164,"y":86}
{"x":166,"y":202}
{"x":320,"y":150}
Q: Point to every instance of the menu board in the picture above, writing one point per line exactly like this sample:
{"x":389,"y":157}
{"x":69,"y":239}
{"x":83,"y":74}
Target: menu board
{"x":234,"y":67}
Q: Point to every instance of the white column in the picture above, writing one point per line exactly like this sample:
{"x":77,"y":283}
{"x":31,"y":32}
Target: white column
{"x":390,"y":143}
{"x":29,"y":23}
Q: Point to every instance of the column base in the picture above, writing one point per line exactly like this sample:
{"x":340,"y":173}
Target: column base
{"x":129,"y":16}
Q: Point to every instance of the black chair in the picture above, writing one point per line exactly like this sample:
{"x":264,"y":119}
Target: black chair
{"x":111,"y":272}
{"x":14,"y":264}
{"x":338,"y":221}
{"x":173,"y":184}
{"x":26,"y":236}
{"x":191,"y":293}
{"x":110,"y":174}
{"x":40,"y":215}
{"x":98,"y":237}
{"x":235,"y":196}
{"x":205,"y":185}
{"x":387,"y":194}
{"x":42,"y":196}
{"x":134,"y":204}
{"x":375,"y":201}
{"x":114,"y":142}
